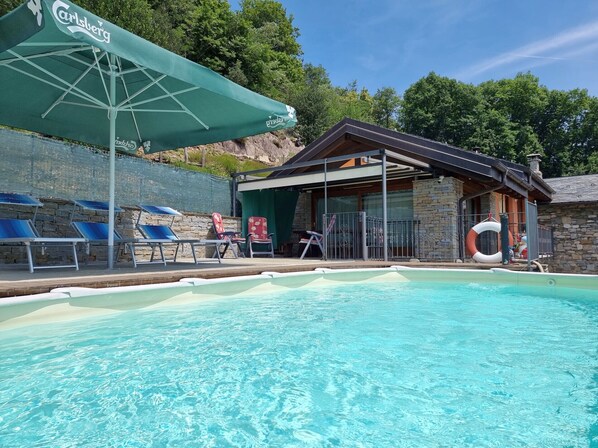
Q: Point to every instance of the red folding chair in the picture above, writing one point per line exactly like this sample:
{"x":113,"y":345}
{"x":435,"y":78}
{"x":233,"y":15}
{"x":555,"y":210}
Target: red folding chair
{"x":257,"y":228}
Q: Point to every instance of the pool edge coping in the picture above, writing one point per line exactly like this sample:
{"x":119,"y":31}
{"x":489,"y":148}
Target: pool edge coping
{"x":77,"y":299}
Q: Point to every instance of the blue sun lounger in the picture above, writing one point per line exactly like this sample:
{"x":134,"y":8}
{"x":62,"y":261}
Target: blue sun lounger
{"x":165,"y":232}
{"x":96,"y":233}
{"x":22,"y":232}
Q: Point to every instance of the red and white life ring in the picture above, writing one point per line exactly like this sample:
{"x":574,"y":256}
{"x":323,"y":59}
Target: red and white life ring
{"x":492,"y":226}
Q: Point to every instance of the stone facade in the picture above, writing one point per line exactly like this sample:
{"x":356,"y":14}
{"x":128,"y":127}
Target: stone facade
{"x":435,"y":206}
{"x":489,"y":204}
{"x":302,"y":220}
{"x":575,"y":233}
{"x":53,"y":220}
{"x":301,"y":223}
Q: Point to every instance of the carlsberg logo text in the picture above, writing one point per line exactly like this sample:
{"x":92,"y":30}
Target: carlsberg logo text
{"x":79,"y":24}
{"x":275,"y":122}
{"x":125,"y":145}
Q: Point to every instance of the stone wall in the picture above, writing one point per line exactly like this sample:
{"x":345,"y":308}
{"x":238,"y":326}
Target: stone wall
{"x":435,"y":206}
{"x":301,"y":223}
{"x":54,"y":218}
{"x":302,"y":219}
{"x":575,"y":233}
{"x":489,"y":204}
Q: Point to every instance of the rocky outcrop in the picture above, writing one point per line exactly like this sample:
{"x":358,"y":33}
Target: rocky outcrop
{"x":273,"y":148}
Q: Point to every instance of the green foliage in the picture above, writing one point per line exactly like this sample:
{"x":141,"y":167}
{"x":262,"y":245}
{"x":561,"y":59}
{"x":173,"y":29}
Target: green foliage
{"x":270,"y":60}
{"x":256,"y":47}
{"x":509,"y":119}
{"x":227,"y":164}
{"x":312,"y":98}
{"x":353,"y":103}
{"x":320,"y":105}
{"x":216,"y":36}
{"x":250,"y":165}
{"x":8,"y":5}
{"x":270,"y":13}
{"x":190,"y":167}
{"x":138,"y":17}
{"x":196,"y":157}
{"x":219,"y":164}
{"x":440,"y":108}
{"x":385,"y":107}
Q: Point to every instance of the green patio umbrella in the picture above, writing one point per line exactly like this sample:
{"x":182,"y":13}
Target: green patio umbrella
{"x":68,"y":73}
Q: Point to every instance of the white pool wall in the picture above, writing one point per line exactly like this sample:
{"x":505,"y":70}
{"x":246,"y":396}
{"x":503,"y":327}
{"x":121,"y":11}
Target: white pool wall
{"x":64,"y":304}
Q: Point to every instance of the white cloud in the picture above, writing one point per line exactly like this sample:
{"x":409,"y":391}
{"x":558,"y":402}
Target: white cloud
{"x":550,"y":50}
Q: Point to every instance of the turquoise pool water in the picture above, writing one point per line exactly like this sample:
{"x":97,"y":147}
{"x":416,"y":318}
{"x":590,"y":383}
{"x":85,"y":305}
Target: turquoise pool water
{"x":366,"y":365}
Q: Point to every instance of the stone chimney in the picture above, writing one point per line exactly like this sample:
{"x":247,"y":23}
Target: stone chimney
{"x":534,"y":163}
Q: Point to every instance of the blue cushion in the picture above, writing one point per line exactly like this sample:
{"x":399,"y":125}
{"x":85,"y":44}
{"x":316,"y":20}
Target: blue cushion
{"x":157,"y":232}
{"x":20,"y":199}
{"x":96,"y":205}
{"x":94,"y":231}
{"x":159,"y":210}
{"x":16,"y":228}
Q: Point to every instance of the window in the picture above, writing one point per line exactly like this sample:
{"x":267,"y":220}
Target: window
{"x":399,"y":205}
{"x":338,"y":204}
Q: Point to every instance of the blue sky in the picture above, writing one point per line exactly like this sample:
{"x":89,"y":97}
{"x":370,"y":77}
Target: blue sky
{"x":394,"y":43}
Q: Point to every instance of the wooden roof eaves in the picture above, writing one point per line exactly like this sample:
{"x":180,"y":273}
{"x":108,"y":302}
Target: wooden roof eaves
{"x":477,"y":166}
{"x":319,"y":144}
{"x":426,"y":154}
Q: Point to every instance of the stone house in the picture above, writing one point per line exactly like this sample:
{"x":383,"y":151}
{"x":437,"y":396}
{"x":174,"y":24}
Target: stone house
{"x":428,"y":194}
{"x":573,"y":216}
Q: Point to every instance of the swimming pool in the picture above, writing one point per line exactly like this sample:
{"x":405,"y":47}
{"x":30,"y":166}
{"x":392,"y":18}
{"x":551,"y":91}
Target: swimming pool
{"x":383,"y":361}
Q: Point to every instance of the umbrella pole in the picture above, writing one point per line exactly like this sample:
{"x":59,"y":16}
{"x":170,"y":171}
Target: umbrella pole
{"x":112,"y":116}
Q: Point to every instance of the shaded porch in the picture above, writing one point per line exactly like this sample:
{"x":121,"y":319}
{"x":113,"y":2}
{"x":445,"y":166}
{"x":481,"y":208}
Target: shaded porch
{"x":398,"y":196}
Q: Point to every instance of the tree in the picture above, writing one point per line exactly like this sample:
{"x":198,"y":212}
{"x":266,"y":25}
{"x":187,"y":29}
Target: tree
{"x":521,"y":101}
{"x":385,"y":107}
{"x":583,"y":152}
{"x":441,"y":109}
{"x":493,"y":134}
{"x":7,"y":6}
{"x":138,"y":17}
{"x":312,"y":99}
{"x":178,"y":14}
{"x":270,"y":60}
{"x":351,"y":102}
{"x":260,"y":13}
{"x":216,"y":36}
{"x":508,"y":119}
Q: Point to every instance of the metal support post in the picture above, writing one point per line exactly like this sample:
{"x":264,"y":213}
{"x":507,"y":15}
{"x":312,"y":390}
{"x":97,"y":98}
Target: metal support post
{"x":384,"y":208}
{"x":112,"y":117}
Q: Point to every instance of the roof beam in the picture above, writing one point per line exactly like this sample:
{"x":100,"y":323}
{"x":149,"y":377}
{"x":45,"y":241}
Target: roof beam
{"x":312,"y":178}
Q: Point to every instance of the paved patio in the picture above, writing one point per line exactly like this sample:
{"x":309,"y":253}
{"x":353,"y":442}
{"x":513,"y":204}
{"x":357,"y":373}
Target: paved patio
{"x":17,"y":281}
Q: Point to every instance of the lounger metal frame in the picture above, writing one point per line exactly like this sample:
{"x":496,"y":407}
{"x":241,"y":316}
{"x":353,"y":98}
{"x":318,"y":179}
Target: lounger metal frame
{"x":32,"y":239}
{"x":22,"y":232}
{"x":166,"y":234}
{"x":102,"y":229}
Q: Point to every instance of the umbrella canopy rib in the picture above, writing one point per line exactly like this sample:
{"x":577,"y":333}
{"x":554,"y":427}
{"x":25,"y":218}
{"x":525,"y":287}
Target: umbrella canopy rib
{"x":74,"y":90}
{"x":126,"y":89}
{"x":140,"y":91}
{"x":99,"y":67}
{"x":42,"y":55}
{"x":66,"y":92}
{"x":171,"y":95}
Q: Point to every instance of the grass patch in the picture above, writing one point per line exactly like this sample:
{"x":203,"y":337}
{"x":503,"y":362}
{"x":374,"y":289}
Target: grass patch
{"x":224,"y":165}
